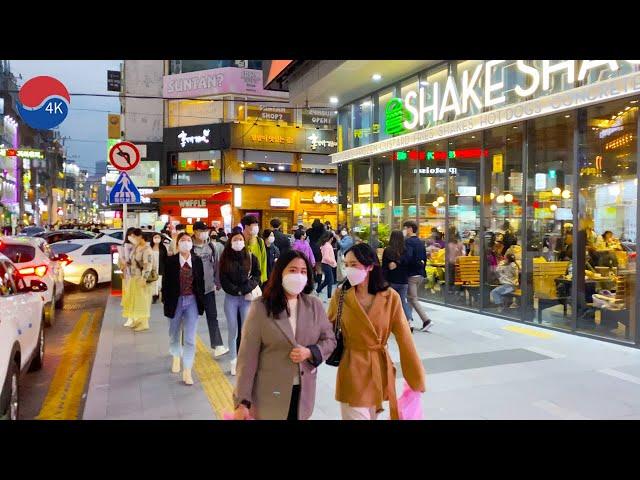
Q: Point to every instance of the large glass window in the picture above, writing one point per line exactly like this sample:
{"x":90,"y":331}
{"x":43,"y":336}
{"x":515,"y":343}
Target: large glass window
{"x":462,"y":252}
{"x":345,"y":128}
{"x":382,"y":206}
{"x":502,"y":227}
{"x":549,"y":220}
{"x":362,"y":198}
{"x":362,"y":122}
{"x":606,"y":259}
{"x":197,"y":168}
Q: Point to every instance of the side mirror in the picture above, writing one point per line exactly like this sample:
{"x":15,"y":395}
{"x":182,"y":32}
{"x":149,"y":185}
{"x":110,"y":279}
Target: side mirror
{"x":38,"y":286}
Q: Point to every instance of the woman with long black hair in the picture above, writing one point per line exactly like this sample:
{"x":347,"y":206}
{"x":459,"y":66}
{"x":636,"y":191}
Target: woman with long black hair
{"x":239,"y":276}
{"x":371,"y":312}
{"x":395,"y":262}
{"x":286,"y":336}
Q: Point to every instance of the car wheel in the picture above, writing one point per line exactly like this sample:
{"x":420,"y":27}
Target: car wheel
{"x":60,"y":302}
{"x":38,"y":359}
{"x":89,"y":280}
{"x":49,"y":314}
{"x":11,"y":392}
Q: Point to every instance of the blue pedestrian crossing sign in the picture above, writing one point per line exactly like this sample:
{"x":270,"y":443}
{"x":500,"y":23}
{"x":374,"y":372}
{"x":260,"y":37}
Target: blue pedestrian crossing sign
{"x":124,"y":191}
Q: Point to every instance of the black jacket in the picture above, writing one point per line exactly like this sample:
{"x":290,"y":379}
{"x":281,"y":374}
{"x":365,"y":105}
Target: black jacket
{"x":162,"y":258}
{"x":272,"y":253}
{"x":237,"y":281}
{"x":171,"y":284}
{"x":417,"y":254}
{"x":400,"y":274}
{"x":282,"y":241}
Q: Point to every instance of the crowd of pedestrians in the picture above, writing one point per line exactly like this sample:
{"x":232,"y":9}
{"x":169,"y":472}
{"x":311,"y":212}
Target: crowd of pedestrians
{"x":279,"y":331}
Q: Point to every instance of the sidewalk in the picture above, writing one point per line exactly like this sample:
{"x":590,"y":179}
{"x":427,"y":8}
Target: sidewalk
{"x":478,"y":367}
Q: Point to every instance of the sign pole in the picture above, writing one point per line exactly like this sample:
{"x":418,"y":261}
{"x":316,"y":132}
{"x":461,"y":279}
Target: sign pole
{"x":124,"y":223}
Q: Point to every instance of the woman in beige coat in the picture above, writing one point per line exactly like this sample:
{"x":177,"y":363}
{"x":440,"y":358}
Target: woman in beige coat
{"x":286,"y":336}
{"x":371,"y":312}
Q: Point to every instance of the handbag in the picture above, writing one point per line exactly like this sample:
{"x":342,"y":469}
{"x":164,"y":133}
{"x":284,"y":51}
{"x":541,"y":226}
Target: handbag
{"x":336,"y":355}
{"x":256,"y":292}
{"x":153,"y":274}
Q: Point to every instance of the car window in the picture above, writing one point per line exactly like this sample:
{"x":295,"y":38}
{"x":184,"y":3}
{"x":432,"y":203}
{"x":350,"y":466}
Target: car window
{"x":18,"y":253}
{"x":59,"y":248}
{"x":117,"y":235}
{"x":99,"y":249}
{"x":57,"y":237}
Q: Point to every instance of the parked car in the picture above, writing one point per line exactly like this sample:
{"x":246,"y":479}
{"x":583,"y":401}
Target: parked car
{"x":31,"y":231}
{"x":35,"y":260}
{"x":88,"y":262}
{"x":61,"y":235}
{"x":22,"y":340}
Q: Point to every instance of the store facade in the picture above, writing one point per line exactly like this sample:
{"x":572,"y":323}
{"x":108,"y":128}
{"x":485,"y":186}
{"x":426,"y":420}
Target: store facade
{"x":228,"y":170}
{"x":532,"y":158}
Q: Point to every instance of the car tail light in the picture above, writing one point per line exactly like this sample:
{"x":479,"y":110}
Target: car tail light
{"x":40,"y":271}
{"x":66,"y":262}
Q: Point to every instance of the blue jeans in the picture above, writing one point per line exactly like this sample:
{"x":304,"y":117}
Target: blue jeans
{"x":498,"y":293}
{"x":328,"y":279}
{"x":402,"y":289}
{"x":232,"y":305}
{"x":187,"y":317}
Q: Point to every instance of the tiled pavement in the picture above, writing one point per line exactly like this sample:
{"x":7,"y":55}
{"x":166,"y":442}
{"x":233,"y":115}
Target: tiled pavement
{"x":476,"y":369}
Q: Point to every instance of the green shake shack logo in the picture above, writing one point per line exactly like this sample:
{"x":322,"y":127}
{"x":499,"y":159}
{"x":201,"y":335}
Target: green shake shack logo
{"x":395,"y":115}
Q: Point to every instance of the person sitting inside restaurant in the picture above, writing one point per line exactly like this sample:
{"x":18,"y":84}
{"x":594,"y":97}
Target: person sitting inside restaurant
{"x":507,"y":273}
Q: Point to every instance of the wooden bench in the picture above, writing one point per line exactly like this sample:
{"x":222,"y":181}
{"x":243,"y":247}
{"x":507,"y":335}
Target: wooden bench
{"x":468,"y":275}
{"x":545,"y":291}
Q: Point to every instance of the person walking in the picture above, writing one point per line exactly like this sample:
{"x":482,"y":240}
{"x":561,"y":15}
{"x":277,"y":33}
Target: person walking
{"x":328,"y":263}
{"x":272,"y":250}
{"x":281,"y":240}
{"x":395,"y":269}
{"x":417,"y":254}
{"x":124,"y":259}
{"x":159,"y":259}
{"x":370,"y":313}
{"x":239,"y":274}
{"x":207,"y":253}
{"x":183,"y":298}
{"x":303,"y":246}
{"x":285,"y":338}
{"x":344,"y":242}
{"x":255,"y":244}
{"x":141,"y":266}
{"x":218,"y":246}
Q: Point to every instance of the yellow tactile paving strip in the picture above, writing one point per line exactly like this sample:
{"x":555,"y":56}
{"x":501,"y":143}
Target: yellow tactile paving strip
{"x":72,"y":374}
{"x":528,"y":331}
{"x":215,"y":384}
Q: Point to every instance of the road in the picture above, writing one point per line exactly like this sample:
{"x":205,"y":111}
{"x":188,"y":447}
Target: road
{"x":58,"y":390}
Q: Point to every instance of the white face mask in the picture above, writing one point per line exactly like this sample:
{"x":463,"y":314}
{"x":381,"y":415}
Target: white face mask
{"x":294,"y":283}
{"x":237,"y":245}
{"x":355,"y":275}
{"x":254,"y":230}
{"x":343,"y":233}
{"x":270,"y":240}
{"x":203,"y":236}
{"x":157,"y":240}
{"x":185,"y":246}
{"x":405,"y":232}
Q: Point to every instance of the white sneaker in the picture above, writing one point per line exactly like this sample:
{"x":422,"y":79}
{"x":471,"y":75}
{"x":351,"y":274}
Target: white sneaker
{"x":128,"y":323}
{"x":219,"y":351}
{"x":233,"y":367}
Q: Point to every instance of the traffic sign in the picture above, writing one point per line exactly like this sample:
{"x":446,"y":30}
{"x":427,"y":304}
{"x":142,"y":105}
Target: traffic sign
{"x":124,"y":156}
{"x":124,"y":191}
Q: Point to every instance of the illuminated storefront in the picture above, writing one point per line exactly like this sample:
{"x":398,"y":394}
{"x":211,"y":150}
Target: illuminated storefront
{"x":532,"y":158}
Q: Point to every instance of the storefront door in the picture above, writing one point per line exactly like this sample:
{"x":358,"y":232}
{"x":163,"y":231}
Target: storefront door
{"x":285,"y":216}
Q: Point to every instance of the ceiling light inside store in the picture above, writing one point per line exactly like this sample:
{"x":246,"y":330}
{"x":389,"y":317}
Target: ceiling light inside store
{"x":376,"y":77}
{"x":567,"y":116}
{"x":500,"y":199}
{"x":492,"y":195}
{"x":440,"y":199}
{"x":280,"y":167}
{"x":333,"y":100}
{"x":435,"y":204}
{"x":508,"y":198}
{"x":566,"y":194}
{"x":633,"y":101}
{"x":556,"y":191}
{"x":424,"y":83}
{"x":553,"y":207}
{"x":627,"y":108}
{"x":365,"y":104}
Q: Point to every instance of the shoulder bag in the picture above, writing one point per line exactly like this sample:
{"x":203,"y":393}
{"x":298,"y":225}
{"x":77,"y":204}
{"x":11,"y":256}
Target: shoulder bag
{"x":153,"y":274}
{"x":336,"y":355}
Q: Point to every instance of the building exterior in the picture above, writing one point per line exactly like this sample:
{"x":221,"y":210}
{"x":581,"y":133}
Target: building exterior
{"x":534,"y":157}
{"x":230,"y":147}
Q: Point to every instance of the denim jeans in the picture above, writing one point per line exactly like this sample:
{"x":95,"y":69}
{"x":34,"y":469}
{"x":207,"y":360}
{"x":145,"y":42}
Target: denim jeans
{"x":402,"y":289}
{"x":328,"y":279}
{"x":232,"y":305}
{"x":498,"y":293}
{"x":186,"y":317}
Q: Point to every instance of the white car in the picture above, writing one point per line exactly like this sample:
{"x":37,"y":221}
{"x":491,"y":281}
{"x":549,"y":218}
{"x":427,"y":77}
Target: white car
{"x":89,"y":261}
{"x":35,"y":260}
{"x":21,"y":334}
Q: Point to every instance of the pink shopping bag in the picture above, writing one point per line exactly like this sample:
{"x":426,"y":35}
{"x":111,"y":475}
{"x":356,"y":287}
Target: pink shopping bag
{"x":410,"y":404}
{"x":229,"y":416}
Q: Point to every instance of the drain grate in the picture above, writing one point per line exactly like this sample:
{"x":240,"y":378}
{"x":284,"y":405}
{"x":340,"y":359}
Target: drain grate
{"x":75,"y":306}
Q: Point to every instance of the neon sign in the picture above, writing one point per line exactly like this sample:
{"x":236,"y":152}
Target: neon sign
{"x":441,"y":155}
{"x":395,"y":114}
{"x":12,"y":152}
{"x":184,"y":139}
